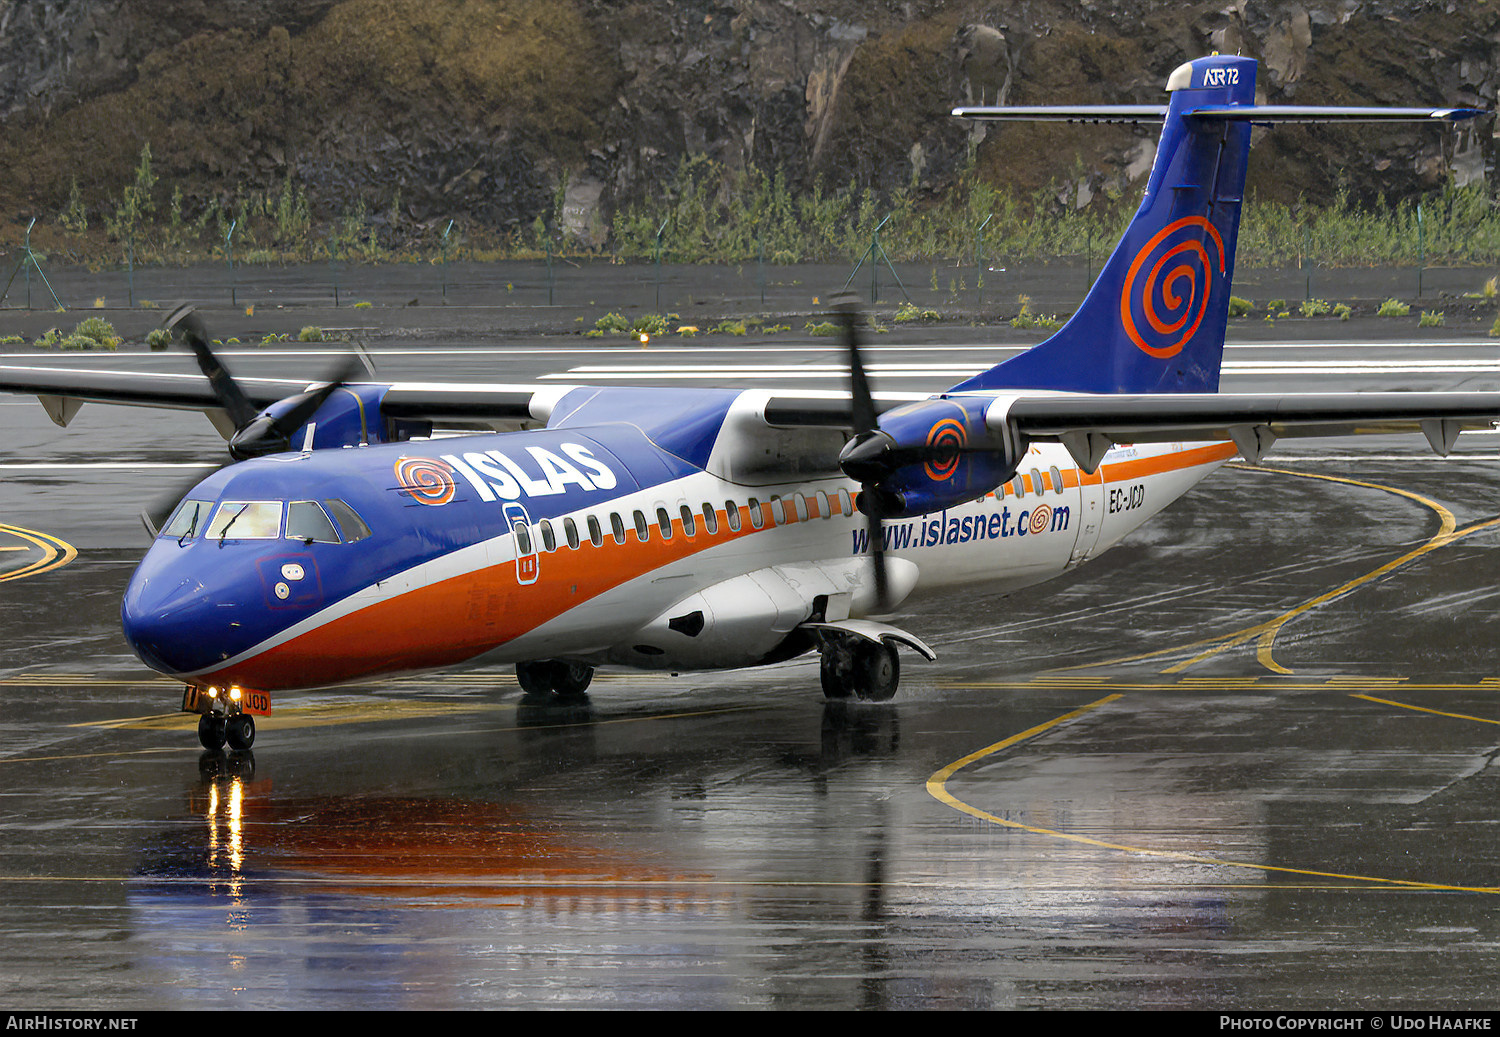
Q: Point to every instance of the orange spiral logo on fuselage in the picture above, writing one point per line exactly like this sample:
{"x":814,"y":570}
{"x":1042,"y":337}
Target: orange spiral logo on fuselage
{"x":424,"y":480}
{"x":1041,"y":518}
{"x":1170,"y":282}
{"x":948,"y":437}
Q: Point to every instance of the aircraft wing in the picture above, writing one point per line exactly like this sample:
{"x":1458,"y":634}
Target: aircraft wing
{"x":1088,"y":425}
{"x":62,"y":390}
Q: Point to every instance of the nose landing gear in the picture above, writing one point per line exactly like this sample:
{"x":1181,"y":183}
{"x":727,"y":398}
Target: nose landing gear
{"x":225,"y":715}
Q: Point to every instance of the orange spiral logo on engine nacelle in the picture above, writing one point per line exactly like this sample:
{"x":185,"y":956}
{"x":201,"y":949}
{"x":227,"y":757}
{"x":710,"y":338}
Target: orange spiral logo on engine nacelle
{"x":1171,"y":293}
{"x":949,"y":438}
{"x":424,"y":480}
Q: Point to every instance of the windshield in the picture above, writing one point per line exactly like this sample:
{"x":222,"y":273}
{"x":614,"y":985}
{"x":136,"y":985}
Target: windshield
{"x":246,"y":520}
{"x":188,"y":520}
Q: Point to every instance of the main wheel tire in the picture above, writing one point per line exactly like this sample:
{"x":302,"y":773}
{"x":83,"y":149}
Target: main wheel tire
{"x":571,"y":680}
{"x":240,"y":731}
{"x":545,"y":677}
{"x":834,"y":675}
{"x":535,"y":678}
{"x":877,"y":672}
{"x":212,"y":731}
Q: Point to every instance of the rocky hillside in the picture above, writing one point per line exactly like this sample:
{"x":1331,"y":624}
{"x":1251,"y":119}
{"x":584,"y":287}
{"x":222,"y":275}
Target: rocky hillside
{"x":497,"y":112}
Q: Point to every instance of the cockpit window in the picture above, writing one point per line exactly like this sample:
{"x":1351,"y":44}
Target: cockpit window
{"x":350,"y":524}
{"x":307,"y":521}
{"x":188,"y":520}
{"x":246,"y":520}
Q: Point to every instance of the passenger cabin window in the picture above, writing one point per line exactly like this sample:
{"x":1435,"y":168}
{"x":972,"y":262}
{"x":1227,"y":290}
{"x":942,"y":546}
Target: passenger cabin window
{"x":757,"y":517}
{"x":307,"y":521}
{"x":570,"y":530}
{"x":246,"y":520}
{"x":596,"y":534}
{"x":351,"y":526}
{"x":710,"y":519}
{"x":189,"y":520}
{"x":1057,"y":483}
{"x":846,"y":506}
{"x":823,"y":505}
{"x":549,"y":538}
{"x":732,"y":515}
{"x":642,"y":531}
{"x":689,"y":527}
{"x":617,"y":526}
{"x":664,"y":523}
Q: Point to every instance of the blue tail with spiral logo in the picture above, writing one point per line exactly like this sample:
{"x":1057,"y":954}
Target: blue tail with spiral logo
{"x":1154,"y":320}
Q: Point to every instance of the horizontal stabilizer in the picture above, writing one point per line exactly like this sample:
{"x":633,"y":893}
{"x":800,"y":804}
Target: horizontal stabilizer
{"x":1256,"y":113}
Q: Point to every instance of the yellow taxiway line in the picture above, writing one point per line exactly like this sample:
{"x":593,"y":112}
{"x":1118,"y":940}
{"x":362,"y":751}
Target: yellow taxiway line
{"x":937,"y":787}
{"x":55,"y":552}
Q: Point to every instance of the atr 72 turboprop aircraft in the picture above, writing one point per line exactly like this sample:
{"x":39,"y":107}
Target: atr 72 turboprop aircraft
{"x":687,"y":529}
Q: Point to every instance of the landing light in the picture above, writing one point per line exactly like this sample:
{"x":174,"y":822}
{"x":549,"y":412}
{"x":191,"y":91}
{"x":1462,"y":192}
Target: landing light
{"x":645,"y":338}
{"x":234,"y":694}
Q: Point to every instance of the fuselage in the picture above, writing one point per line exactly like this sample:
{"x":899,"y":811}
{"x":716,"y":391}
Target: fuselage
{"x":589,"y":543}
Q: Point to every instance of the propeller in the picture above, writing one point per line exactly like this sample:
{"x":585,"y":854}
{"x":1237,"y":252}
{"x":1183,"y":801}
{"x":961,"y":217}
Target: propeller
{"x":857,"y":458}
{"x":257,"y":431}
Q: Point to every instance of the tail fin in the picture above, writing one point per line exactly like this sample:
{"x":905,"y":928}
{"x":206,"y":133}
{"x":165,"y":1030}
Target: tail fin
{"x":1154,"y":320}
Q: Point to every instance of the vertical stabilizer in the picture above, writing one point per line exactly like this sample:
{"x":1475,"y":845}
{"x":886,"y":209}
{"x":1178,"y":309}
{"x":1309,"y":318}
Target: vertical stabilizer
{"x":1154,"y":320}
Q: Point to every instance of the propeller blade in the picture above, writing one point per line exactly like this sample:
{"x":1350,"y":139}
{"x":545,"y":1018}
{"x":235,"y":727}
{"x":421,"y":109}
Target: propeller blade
{"x":863,"y":407}
{"x":269,"y":433}
{"x":155,"y":515}
{"x":186,"y":322}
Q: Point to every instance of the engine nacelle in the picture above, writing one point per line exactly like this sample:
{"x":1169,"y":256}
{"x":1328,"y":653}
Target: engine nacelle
{"x":930,"y":455}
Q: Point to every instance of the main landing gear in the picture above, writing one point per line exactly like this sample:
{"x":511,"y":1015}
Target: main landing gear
{"x":859,"y":668}
{"x":554,"y":678}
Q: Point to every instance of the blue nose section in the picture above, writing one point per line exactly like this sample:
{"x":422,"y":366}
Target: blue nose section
{"x":161,"y":616}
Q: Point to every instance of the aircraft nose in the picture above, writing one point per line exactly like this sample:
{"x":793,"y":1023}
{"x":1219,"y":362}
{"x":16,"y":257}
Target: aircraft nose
{"x":158,"y":616}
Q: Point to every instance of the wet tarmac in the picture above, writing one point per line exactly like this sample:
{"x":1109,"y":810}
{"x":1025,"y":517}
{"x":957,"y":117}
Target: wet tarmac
{"x":1244,"y":760}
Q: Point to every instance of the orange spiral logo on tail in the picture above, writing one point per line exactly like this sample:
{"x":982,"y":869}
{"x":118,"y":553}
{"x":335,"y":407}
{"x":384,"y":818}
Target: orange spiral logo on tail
{"x":1169,"y":284}
{"x":424,"y":480}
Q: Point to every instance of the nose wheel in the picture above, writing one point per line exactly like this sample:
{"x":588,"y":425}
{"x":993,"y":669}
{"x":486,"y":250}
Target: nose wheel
{"x":238,"y":732}
{"x":222,"y":716}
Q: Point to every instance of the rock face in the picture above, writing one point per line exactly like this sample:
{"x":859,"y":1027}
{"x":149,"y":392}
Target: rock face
{"x":504,"y":112}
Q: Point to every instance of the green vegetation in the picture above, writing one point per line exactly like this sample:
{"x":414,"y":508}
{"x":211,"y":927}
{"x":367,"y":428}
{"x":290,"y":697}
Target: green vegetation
{"x":737,"y":215}
{"x":910,"y":311}
{"x":1430,"y":319}
{"x":1314,"y":308}
{"x":91,"y":334}
{"x":1392,"y":308}
{"x":310,"y":334}
{"x":1027,"y":319}
{"x":1240,"y":307}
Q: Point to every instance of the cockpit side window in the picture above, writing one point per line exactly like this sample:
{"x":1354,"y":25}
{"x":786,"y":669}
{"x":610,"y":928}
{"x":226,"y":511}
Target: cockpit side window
{"x":350,"y":524}
{"x":189,"y":520}
{"x":246,"y":520}
{"x":307,"y":521}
